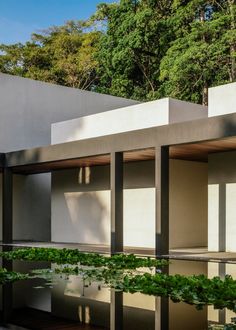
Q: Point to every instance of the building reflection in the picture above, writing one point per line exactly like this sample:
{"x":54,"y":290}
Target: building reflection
{"x":94,"y":305}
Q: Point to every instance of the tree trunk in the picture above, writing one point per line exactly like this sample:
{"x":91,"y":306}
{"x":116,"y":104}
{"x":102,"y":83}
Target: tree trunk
{"x":205,"y":95}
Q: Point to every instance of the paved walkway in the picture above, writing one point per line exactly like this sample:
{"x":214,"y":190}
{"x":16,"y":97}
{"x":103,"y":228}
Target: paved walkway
{"x":201,"y":254}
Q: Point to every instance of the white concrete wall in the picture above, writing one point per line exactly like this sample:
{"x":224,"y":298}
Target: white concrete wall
{"x":81,"y":213}
{"x":72,"y":214}
{"x":222,"y":99}
{"x":27,"y":110}
{"x":29,"y":107}
{"x":222,"y":199}
{"x":188,"y":204}
{"x":150,"y":114}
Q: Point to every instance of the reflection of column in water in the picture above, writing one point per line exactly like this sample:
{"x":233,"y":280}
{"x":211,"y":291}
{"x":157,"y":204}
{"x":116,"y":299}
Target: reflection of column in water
{"x":213,"y":270}
{"x":222,"y":312}
{"x":7,"y":289}
{"x":116,"y":310}
{"x":162,"y":308}
{"x":216,"y":269}
{"x":84,"y":314}
{"x":230,"y":269}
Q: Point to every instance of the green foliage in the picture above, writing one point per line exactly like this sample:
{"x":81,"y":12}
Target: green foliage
{"x":228,"y":326}
{"x":201,"y":54}
{"x":73,"y":256}
{"x":140,"y":49}
{"x":195,"y":290}
{"x":63,"y":55}
{"x":167,"y":48}
{"x":130,"y":51}
{"x":128,"y":274}
{"x":9,"y":276}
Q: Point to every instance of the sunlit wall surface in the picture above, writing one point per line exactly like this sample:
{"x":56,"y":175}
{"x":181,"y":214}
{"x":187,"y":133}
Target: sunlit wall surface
{"x":81,"y":210}
{"x":221,"y":202}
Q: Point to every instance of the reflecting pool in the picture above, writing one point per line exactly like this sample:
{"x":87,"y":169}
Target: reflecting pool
{"x":52,"y":300}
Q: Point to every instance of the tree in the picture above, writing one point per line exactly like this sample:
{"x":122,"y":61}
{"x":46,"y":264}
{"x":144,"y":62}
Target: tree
{"x":140,"y":49}
{"x":63,"y":55}
{"x":202,"y":55}
{"x":137,"y":36}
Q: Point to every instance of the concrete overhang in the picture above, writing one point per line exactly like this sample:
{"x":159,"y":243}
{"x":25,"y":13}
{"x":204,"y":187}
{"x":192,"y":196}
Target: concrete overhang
{"x":192,"y":140}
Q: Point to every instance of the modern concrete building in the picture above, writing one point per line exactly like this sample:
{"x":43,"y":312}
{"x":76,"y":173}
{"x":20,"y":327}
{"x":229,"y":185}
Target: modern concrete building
{"x":154,"y":176}
{"x":107,"y":174}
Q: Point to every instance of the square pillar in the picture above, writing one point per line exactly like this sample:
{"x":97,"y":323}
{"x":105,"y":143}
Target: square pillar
{"x":162,"y":308}
{"x":162,"y":200}
{"x":7,"y":236}
{"x":161,"y":313}
{"x":116,"y":310}
{"x":7,"y":289}
{"x":7,"y":204}
{"x":116,"y":182}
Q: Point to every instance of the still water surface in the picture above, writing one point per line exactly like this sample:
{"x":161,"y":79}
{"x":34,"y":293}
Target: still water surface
{"x":68,"y":302}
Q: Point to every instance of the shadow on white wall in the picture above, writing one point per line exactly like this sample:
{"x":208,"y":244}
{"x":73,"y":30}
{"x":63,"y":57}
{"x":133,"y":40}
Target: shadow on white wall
{"x":89,"y":216}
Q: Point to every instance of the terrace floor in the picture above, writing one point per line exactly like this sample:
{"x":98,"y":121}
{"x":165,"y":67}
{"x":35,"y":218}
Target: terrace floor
{"x":198,"y":253}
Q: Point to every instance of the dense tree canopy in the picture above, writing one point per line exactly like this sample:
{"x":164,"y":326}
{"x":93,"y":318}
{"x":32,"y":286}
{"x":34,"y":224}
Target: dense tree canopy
{"x":63,"y":55}
{"x":141,"y":49}
{"x":202,"y":54}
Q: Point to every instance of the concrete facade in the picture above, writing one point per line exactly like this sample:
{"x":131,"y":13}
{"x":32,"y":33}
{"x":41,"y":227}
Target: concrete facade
{"x":28,"y":108}
{"x":200,"y":196}
{"x":221,"y":100}
{"x":221,"y":199}
{"x":150,"y":114}
{"x":222,"y":179}
{"x":79,"y":212}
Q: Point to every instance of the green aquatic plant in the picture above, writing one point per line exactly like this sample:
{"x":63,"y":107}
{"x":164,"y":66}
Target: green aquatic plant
{"x":74,"y":256}
{"x":228,"y":326}
{"x":127,"y":273}
{"x":195,"y":290}
{"x":10,"y":276}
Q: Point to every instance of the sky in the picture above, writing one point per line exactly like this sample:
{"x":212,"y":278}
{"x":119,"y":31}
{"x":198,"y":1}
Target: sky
{"x":19,"y":18}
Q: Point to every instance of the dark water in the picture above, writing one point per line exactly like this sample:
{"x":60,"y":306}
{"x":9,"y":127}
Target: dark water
{"x":68,"y":302}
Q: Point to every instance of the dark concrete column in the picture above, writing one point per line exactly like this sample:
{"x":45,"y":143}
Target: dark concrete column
{"x":162,"y":200}
{"x":7,"y":290}
{"x":7,"y":205}
{"x":162,"y":308}
{"x":116,"y":182}
{"x":7,"y":230}
{"x":116,"y":310}
{"x":222,"y":217}
{"x":161,"y":313}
